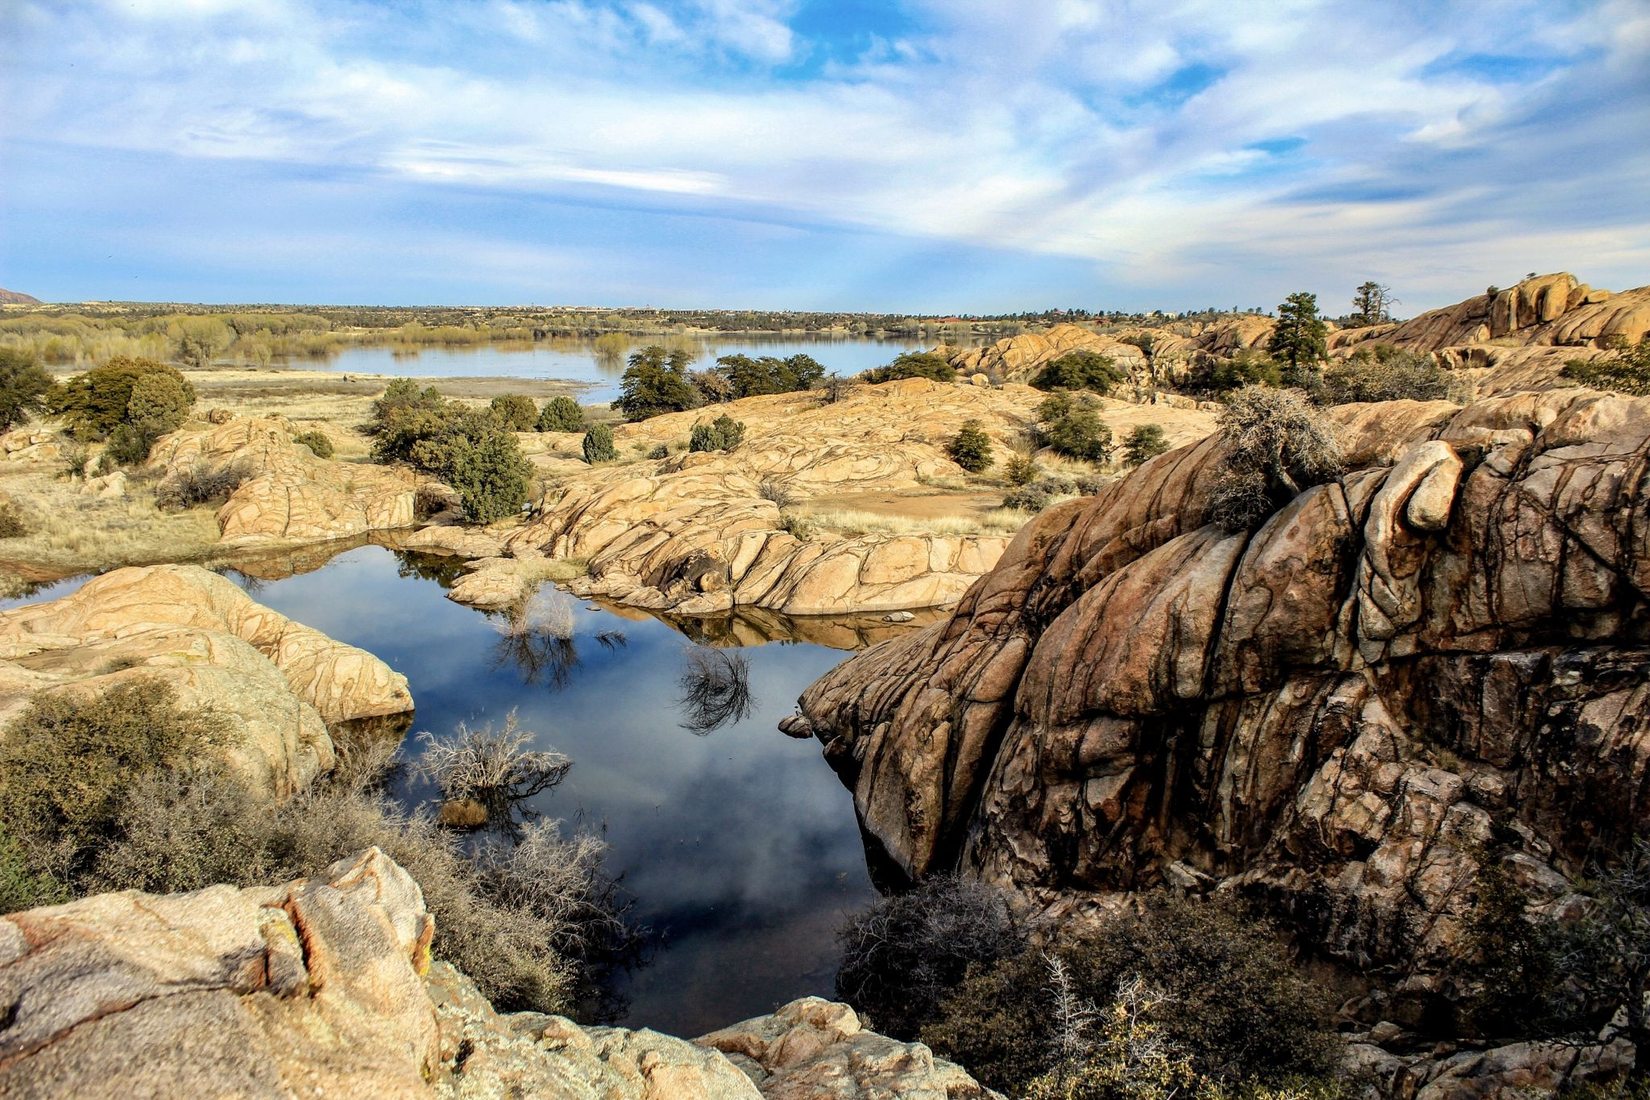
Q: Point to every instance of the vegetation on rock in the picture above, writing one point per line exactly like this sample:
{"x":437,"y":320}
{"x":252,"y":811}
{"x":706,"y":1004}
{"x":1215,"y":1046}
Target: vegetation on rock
{"x":319,"y":443}
{"x":469,"y":450}
{"x":1277,"y":446}
{"x":1301,"y":337}
{"x":722,"y":434}
{"x":913,"y":364}
{"x":1627,"y":370}
{"x":1071,"y":426}
{"x":1383,"y":373}
{"x":1145,"y":441}
{"x":561,"y":414}
{"x":514,"y":412}
{"x":655,"y":382}
{"x":598,"y":445}
{"x":1080,"y":370}
{"x":970,"y":448}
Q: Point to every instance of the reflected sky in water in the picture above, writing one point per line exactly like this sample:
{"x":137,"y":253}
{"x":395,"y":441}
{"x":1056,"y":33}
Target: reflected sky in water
{"x":575,"y":360}
{"x":740,"y":847}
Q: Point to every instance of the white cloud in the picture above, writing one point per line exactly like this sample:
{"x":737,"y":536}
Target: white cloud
{"x":1119,"y":132}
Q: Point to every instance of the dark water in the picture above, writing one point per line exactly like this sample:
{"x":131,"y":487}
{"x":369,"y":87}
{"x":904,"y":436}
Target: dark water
{"x":739,"y":847}
{"x":576,"y":359}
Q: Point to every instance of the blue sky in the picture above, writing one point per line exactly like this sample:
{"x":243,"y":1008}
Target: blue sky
{"x":922,"y":155}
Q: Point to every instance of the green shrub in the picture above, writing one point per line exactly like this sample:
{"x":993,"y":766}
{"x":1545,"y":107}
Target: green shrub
{"x":1230,"y":998}
{"x":902,"y":955}
{"x":319,"y":443}
{"x":481,"y":461}
{"x":1080,"y":370}
{"x":95,"y":403}
{"x":598,"y":444}
{"x":514,"y":412}
{"x":1249,"y":367}
{"x":1146,"y":441}
{"x":1627,"y":371}
{"x":25,"y":387}
{"x":1021,"y":470}
{"x":913,"y":364}
{"x":1034,"y":496}
{"x":22,"y":887}
{"x":561,"y":414}
{"x":1073,"y":428}
{"x":722,"y":434}
{"x":1277,"y":446}
{"x":970,"y":448}
{"x":404,"y":417}
{"x":1383,"y":373}
{"x":656,"y":382}
{"x":159,"y":404}
{"x":658,"y":451}
{"x":67,"y":760}
{"x":737,"y":376}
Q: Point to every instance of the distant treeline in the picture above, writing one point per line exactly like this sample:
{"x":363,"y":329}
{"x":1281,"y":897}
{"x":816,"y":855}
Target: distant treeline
{"x":258,"y":335}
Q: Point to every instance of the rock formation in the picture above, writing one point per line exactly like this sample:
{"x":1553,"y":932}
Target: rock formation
{"x":325,"y":988}
{"x":290,"y":495}
{"x":281,"y":683}
{"x":1326,"y":713}
{"x":1517,"y":339}
{"x":695,"y":533}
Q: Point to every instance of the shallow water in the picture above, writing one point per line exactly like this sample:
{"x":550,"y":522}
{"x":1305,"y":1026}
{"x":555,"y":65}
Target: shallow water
{"x":576,"y":360}
{"x":739,"y":847}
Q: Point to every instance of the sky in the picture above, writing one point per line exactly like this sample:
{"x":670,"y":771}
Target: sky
{"x":938,"y":156}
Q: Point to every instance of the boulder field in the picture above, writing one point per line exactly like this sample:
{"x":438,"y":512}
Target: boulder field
{"x":1449,"y":645}
{"x":326,"y":988}
{"x":281,"y":684}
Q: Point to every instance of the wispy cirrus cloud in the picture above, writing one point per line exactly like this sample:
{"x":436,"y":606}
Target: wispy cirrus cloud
{"x":1178,"y":153}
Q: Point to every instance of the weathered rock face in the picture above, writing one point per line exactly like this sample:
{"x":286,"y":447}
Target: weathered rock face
{"x":813,"y":1049}
{"x":326,"y":989}
{"x":290,"y":494}
{"x":308,"y":989}
{"x":694,"y":533}
{"x":280,"y":683}
{"x":1327,"y":712}
{"x":1018,"y":358}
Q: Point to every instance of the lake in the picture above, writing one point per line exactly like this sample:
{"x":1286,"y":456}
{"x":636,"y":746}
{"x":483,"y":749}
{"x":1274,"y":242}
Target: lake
{"x":738,"y":847}
{"x":576,"y":359}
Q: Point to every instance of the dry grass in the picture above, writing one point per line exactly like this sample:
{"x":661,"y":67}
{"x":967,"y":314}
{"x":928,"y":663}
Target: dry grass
{"x":848,"y":522}
{"x":71,"y":531}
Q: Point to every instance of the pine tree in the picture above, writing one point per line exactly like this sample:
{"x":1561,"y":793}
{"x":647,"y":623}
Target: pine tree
{"x":1301,"y":337}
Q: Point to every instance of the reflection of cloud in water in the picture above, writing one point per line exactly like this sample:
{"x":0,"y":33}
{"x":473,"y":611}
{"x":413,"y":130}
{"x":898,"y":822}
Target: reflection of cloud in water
{"x":742,"y":847}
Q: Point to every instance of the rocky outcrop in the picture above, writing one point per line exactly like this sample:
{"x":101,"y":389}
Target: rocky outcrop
{"x":1545,"y":310}
{"x":281,"y":683}
{"x":325,"y":988}
{"x":307,"y":989}
{"x":813,"y":1049}
{"x":1328,"y":713}
{"x":699,"y":534}
{"x":1518,"y":339}
{"x":288,"y":494}
{"x":1019,"y":358}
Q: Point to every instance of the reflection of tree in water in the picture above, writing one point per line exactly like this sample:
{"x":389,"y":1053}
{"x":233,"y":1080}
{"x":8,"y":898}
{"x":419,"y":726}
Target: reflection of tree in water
{"x":429,"y":567}
{"x":537,"y":638}
{"x":716,"y":689}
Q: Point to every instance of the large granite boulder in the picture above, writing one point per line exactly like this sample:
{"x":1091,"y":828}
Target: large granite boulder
{"x":326,"y":988}
{"x":1330,"y":712}
{"x":288,"y":494}
{"x":281,"y":684}
{"x":308,"y":989}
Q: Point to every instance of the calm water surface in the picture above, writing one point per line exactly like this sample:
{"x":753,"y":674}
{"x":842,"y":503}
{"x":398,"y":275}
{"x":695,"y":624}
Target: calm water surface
{"x":577,"y":361}
{"x":739,"y":847}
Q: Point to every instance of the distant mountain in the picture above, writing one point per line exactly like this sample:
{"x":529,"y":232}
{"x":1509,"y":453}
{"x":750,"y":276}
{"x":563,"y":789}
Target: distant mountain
{"x":13,"y":298}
